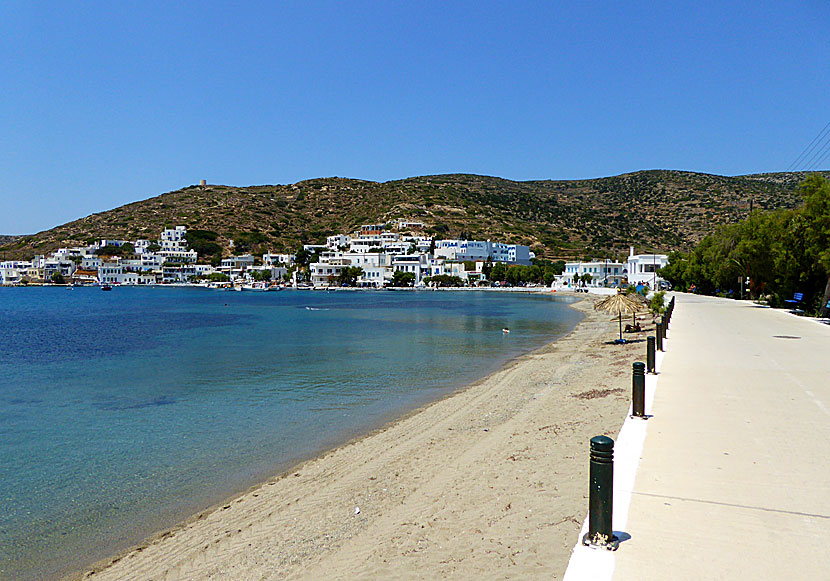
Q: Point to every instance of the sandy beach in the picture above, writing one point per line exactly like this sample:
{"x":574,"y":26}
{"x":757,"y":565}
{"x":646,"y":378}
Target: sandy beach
{"x":490,"y":482}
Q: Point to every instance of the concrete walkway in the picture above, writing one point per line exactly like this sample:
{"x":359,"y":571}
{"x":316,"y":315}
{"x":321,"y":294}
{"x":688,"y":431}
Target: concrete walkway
{"x":734,"y":481}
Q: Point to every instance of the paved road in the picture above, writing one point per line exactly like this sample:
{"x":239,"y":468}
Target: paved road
{"x":734,"y":481}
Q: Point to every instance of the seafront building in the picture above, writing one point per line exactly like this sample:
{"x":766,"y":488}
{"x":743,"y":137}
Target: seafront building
{"x":379,"y":253}
{"x":642,"y":268}
{"x":639,"y":269}
{"x":603,"y":273}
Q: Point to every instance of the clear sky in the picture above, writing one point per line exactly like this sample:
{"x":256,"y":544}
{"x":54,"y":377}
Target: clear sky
{"x":105,"y":103}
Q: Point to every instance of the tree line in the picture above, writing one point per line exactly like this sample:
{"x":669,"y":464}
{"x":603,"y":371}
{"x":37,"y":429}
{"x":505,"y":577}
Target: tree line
{"x":771,"y":255}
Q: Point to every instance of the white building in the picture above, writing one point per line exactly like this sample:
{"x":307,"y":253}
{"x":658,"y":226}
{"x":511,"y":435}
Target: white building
{"x":338,"y":242}
{"x":177,"y":255}
{"x":238,"y":262}
{"x":603,"y":273}
{"x":104,"y":243}
{"x":463,"y":249}
{"x":271,"y":259}
{"x":512,"y":253}
{"x":374,"y":276}
{"x":12,"y":271}
{"x":404,"y":224}
{"x":111,"y":272}
{"x":174,"y":239}
{"x":274,"y":272}
{"x":414,"y":263}
{"x":642,"y":268}
{"x":376,"y":268}
{"x":482,"y":250}
{"x":326,"y":273}
{"x":91,"y":262}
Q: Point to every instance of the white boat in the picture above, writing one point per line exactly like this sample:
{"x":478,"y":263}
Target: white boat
{"x":258,"y":286}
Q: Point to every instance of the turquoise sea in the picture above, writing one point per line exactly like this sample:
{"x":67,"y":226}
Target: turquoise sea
{"x":124,"y":412}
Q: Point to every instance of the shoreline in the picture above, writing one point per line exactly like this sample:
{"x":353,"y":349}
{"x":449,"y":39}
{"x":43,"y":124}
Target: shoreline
{"x":323,"y":494}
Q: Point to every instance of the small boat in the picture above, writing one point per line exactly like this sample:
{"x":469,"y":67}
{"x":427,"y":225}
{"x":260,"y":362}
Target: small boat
{"x":505,"y":330}
{"x":106,"y":287}
{"x":254,"y":286}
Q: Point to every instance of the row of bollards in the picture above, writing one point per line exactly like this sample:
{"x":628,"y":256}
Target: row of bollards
{"x":601,"y":493}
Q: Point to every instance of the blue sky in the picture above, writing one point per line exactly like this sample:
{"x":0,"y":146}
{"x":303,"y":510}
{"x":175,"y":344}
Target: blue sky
{"x":105,"y":103}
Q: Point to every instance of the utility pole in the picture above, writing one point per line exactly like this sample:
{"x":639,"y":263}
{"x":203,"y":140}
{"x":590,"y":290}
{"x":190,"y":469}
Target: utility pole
{"x":654,"y":271}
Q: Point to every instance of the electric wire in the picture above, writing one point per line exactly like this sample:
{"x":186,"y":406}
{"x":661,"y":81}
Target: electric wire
{"x":822,"y":158}
{"x":808,"y":150}
{"x":824,"y":148}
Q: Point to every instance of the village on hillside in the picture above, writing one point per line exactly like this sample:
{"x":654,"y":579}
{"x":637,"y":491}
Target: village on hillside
{"x":375,"y":256}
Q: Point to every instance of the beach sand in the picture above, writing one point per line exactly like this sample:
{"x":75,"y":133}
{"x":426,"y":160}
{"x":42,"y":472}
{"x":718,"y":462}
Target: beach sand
{"x":489,"y":483}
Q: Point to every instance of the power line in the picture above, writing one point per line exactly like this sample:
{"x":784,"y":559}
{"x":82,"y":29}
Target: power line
{"x":821,"y":161}
{"x":819,"y":157}
{"x":819,"y":151}
{"x":808,"y":150}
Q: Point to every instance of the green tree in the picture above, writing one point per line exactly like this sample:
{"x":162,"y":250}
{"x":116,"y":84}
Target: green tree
{"x":303,"y":257}
{"x":203,"y":242}
{"x":58,"y":278}
{"x":110,"y":250}
{"x":444,"y":280}
{"x":657,"y":303}
{"x":348,"y":275}
{"x":498,"y":272}
{"x":487,"y":268}
{"x":401,"y":278}
{"x":513,"y":275}
{"x":816,"y":192}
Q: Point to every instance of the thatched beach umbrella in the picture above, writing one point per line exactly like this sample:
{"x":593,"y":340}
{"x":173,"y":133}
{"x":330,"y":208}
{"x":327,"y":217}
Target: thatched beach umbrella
{"x":619,"y":304}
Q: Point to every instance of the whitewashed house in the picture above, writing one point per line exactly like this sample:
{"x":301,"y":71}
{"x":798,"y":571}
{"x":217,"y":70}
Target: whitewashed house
{"x":642,"y":268}
{"x":604,"y":273}
{"x":414,"y":263}
{"x":174,"y":239}
{"x":110,"y":272}
{"x":326,"y":273}
{"x":276,"y":260}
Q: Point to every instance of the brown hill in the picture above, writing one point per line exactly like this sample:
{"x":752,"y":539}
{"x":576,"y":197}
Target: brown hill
{"x":658,"y":209}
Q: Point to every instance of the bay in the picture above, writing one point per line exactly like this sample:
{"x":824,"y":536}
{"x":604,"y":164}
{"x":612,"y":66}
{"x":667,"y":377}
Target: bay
{"x":122,"y":413}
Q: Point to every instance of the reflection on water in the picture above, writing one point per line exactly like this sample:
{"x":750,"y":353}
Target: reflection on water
{"x":123,"y":412}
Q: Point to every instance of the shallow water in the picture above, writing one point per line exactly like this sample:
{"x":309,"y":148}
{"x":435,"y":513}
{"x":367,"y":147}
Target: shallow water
{"x":124,"y":412}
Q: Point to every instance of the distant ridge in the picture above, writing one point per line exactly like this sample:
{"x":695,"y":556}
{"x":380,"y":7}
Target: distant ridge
{"x":654,"y":209}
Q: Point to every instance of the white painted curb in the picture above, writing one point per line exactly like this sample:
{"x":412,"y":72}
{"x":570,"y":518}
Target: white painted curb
{"x":597,"y":564}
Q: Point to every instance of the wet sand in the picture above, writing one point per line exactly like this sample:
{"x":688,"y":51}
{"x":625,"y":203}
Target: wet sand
{"x":490,"y":482}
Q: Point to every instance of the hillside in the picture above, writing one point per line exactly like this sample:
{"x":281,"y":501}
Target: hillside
{"x":658,"y":209}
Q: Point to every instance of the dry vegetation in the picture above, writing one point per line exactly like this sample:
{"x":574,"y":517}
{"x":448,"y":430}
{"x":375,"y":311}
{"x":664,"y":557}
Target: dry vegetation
{"x":650,"y":209}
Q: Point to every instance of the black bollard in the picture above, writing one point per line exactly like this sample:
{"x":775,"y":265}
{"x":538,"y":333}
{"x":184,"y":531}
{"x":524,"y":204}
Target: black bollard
{"x":650,"y":355}
{"x":664,"y":327}
{"x":601,"y":497}
{"x":638,"y":390}
{"x":659,"y":335}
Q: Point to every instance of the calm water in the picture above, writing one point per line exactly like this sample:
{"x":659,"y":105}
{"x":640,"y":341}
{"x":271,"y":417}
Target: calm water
{"x":124,"y":412}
